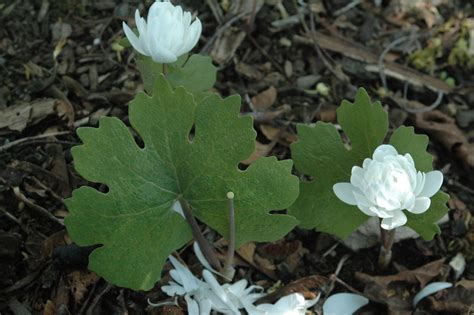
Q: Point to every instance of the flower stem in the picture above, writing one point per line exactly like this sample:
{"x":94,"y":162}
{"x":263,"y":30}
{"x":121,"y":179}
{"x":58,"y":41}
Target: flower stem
{"x":228,"y":269}
{"x":385,"y":256}
{"x":206,"y":248}
{"x":165,"y":70}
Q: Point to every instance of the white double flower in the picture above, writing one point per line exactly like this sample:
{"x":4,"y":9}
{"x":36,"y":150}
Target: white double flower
{"x":387,"y":184}
{"x":167,"y":33}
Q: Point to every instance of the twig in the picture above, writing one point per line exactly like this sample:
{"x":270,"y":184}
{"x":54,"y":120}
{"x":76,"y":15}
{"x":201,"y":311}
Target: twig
{"x":10,"y":216}
{"x":23,"y":140}
{"x":348,"y":7}
{"x":220,"y":30}
{"x":40,"y":210}
{"x":339,"y":74}
{"x":206,"y":249}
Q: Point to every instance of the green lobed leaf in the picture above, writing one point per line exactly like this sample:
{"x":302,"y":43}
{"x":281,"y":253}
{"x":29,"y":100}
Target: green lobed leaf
{"x":196,"y":73}
{"x":133,"y":221}
{"x":365,"y":124}
{"x":425,"y":223}
{"x":320,"y":153}
{"x":405,"y":140}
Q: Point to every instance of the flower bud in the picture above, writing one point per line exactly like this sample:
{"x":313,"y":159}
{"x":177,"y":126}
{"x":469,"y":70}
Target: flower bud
{"x":387,"y":184}
{"x":166,"y":35}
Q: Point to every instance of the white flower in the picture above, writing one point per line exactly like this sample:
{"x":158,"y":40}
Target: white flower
{"x":229,"y":298}
{"x":168,"y":33}
{"x":293,"y":304}
{"x":387,"y":184}
{"x":195,"y":291}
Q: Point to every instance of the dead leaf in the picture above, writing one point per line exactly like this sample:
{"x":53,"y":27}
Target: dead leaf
{"x":265,"y":99}
{"x":250,"y":72}
{"x":18,"y":117}
{"x":227,"y":44}
{"x":54,"y":240}
{"x":247,"y":253}
{"x":260,"y":151}
{"x":455,"y":300}
{"x":443,"y":129}
{"x":289,"y":253}
{"x":395,"y":290}
{"x":49,"y":308}
{"x":79,"y":282}
{"x":310,"y":287}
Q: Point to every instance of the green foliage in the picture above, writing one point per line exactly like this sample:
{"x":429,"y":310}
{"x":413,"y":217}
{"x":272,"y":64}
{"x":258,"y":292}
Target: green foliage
{"x":405,"y":140}
{"x":196,"y":73}
{"x":133,"y":221}
{"x":321,"y":154}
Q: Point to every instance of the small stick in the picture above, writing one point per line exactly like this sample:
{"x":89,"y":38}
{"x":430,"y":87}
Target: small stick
{"x":23,"y":140}
{"x":206,"y":249}
{"x":228,"y":269}
{"x":385,"y":256}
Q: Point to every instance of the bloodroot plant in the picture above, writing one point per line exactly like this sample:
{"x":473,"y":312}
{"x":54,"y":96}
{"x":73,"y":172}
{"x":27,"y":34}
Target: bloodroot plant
{"x":187,"y":168}
{"x":394,"y":181}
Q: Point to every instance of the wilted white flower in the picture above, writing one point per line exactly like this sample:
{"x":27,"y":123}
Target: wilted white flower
{"x":387,"y":184}
{"x":166,"y":35}
{"x":195,"y":291}
{"x":293,"y":304}
{"x":229,"y":298}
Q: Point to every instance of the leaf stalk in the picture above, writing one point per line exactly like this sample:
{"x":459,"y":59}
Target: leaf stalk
{"x":206,"y":248}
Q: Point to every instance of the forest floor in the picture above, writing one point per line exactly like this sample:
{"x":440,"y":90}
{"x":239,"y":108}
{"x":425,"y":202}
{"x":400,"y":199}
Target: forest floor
{"x":61,"y":67}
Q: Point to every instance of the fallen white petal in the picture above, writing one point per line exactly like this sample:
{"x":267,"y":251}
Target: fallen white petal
{"x":343,"y":304}
{"x":430,"y":289}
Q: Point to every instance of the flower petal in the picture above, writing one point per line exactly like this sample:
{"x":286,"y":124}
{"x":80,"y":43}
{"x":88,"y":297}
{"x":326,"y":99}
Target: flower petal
{"x":384,"y":150}
{"x":433,"y":182}
{"x":421,"y":205}
{"x":132,"y":38}
{"x":398,"y":219}
{"x":193,"y":307}
{"x":345,"y":192}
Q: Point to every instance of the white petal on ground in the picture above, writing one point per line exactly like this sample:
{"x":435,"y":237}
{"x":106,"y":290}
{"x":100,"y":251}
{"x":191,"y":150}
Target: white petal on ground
{"x":345,"y":192}
{"x":433,"y":182}
{"x":430,"y":289}
{"x":293,"y":304}
{"x":343,"y":304}
{"x":398,"y":219}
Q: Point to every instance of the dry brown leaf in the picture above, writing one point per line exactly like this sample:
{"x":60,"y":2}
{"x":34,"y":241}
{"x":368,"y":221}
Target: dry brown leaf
{"x":395,"y":290}
{"x":260,"y":150}
{"x":250,"y":72}
{"x":444,"y":129}
{"x":49,"y":308}
{"x":20,"y":116}
{"x":226,"y":45}
{"x":310,"y":287}
{"x":54,"y":240}
{"x":265,"y":99}
{"x":270,"y":132}
{"x":79,"y":282}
